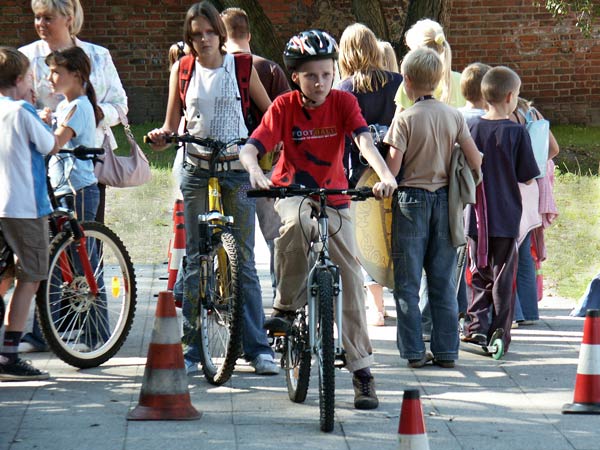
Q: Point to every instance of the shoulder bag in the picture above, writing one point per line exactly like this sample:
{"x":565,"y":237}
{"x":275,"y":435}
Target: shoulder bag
{"x":123,"y":171}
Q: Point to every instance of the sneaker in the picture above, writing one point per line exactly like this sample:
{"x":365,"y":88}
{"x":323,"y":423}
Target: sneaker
{"x":21,"y":370}
{"x":444,"y":363}
{"x":525,"y":323}
{"x":30,"y":344}
{"x":26,"y":347}
{"x":365,"y":396}
{"x":280,"y":321}
{"x":514,"y":325}
{"x":378,"y":320}
{"x":418,"y":363}
{"x":191,"y":367}
{"x":475,"y":338}
{"x":265,"y":365}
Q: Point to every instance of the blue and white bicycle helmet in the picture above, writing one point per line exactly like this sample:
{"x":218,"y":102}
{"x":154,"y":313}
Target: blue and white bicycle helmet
{"x":309,"y":45}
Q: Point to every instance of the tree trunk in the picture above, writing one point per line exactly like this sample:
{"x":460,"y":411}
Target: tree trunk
{"x":369,"y":12}
{"x":264,"y":40}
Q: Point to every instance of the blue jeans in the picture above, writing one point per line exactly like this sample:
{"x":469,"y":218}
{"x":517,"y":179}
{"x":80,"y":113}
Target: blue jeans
{"x":589,"y":300}
{"x":234,"y":185}
{"x":421,"y":240}
{"x":526,"y":302}
{"x":86,"y":206}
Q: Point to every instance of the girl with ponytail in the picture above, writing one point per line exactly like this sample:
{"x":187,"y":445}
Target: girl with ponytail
{"x":428,"y":33}
{"x":74,"y":124}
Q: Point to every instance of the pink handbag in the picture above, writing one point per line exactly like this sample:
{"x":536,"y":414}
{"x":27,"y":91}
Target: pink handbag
{"x":123,"y":171}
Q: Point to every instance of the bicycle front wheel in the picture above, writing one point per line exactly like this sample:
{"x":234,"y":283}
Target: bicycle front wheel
{"x":297,"y":358}
{"x":221,"y":311}
{"x":325,"y":349}
{"x":85,"y":329}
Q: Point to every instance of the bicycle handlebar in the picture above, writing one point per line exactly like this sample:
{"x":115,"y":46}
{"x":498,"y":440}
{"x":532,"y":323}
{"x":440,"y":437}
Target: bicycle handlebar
{"x":204,"y":142}
{"x":359,"y":194}
{"x":83,"y":152}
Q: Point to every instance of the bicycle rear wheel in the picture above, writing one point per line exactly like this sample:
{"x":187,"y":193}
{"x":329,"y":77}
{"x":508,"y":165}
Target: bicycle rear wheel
{"x":221,"y":311}
{"x":325,"y":349}
{"x":297,"y":358}
{"x":83,"y":329}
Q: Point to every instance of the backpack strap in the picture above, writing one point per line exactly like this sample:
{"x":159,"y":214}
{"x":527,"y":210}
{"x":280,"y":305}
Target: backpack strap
{"x":243,"y":71}
{"x":186,"y":69}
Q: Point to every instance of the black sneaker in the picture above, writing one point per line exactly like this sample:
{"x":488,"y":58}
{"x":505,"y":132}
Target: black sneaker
{"x":21,"y":370}
{"x":280,"y":321}
{"x":364,"y":393}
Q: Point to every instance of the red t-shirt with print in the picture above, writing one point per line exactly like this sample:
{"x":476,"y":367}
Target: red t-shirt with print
{"x":313,"y":140}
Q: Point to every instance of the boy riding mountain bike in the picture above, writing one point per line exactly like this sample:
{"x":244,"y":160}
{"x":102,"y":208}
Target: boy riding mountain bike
{"x":312,"y":122}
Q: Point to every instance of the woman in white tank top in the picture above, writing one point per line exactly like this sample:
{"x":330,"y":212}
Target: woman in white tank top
{"x":213,"y":109}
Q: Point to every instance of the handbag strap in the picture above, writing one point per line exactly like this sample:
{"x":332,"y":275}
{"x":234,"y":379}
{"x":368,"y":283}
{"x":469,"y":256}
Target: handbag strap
{"x":124,"y":121}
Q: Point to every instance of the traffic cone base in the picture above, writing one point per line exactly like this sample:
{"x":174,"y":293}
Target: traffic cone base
{"x":164,"y":394}
{"x":586,"y":398}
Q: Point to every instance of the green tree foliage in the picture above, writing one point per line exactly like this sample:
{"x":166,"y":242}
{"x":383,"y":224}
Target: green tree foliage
{"x":586,"y":12}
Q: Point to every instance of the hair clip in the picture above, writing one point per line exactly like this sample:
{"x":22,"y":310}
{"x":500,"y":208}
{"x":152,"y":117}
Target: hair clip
{"x":439,"y":39}
{"x":180,"y":46}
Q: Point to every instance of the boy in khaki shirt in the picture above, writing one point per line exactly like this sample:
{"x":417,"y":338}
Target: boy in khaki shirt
{"x":422,"y":138}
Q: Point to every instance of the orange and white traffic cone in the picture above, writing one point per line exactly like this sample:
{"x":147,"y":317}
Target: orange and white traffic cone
{"x":165,"y":394}
{"x":586,"y":399}
{"x":411,"y":429}
{"x":177,"y":247}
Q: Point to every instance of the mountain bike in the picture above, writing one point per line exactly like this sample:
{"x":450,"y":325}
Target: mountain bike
{"x":220,"y":321}
{"x":86,"y":306}
{"x":311,"y":332}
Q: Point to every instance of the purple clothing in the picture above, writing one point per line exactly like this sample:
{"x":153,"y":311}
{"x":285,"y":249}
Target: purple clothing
{"x":507,"y":160}
{"x":377,"y":107}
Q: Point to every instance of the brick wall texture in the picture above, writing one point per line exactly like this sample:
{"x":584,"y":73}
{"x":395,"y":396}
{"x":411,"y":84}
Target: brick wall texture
{"x":559,"y":68}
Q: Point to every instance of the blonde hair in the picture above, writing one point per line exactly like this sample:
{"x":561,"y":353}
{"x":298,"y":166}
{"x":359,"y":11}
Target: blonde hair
{"x":470,"y":81}
{"x":423,"y":67}
{"x":498,"y":83}
{"x":428,"y":33}
{"x":388,"y":57}
{"x":359,"y":58}
{"x":66,"y":8}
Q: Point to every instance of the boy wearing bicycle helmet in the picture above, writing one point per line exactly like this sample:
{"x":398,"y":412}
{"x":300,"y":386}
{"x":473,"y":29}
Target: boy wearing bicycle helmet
{"x":312,"y":122}
{"x":24,"y":203}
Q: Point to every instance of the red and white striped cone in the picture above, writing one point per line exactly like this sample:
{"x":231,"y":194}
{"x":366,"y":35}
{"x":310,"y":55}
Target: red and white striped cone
{"x":586,"y":399}
{"x":164,"y":394}
{"x":411,"y":429}
{"x":177,"y":247}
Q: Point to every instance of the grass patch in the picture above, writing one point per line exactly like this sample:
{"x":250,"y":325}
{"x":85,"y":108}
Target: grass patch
{"x":579,"y":149}
{"x":142,"y":216}
{"x":573,"y":241}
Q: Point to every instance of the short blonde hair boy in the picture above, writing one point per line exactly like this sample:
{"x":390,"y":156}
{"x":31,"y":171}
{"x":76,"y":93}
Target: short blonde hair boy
{"x":498,"y":82}
{"x":470,"y":81}
{"x":423,"y":67}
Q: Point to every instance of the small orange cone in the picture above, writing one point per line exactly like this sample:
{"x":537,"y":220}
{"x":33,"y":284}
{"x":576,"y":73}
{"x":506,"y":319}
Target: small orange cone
{"x":165,"y":394}
{"x":177,"y":246}
{"x":411,"y":430}
{"x":586,"y":399}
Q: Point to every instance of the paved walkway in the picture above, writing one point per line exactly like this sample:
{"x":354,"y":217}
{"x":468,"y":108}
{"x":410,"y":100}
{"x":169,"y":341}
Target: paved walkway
{"x":514,"y":403}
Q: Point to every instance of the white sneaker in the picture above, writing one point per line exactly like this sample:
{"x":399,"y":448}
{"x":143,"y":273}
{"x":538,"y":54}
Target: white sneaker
{"x":26,"y":347}
{"x":265,"y":365}
{"x":378,"y":319}
{"x":191,"y":367}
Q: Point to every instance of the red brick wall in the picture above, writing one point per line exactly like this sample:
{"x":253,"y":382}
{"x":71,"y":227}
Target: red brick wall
{"x":559,"y":68}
